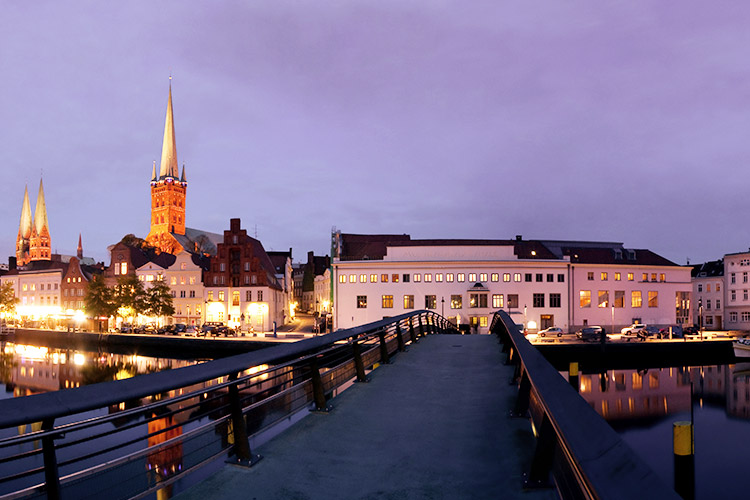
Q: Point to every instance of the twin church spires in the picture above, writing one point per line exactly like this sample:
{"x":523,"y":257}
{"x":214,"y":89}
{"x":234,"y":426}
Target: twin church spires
{"x":168,"y":190}
{"x":33,"y":241}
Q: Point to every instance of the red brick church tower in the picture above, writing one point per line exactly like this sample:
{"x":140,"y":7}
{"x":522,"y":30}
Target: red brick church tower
{"x":168,"y":191}
{"x":33,"y":241}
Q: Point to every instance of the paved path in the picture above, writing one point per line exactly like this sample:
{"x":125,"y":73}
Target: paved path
{"x":432,"y":424}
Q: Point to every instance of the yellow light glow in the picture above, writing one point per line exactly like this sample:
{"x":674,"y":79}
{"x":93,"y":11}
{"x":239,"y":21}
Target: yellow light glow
{"x":78,"y":359}
{"x":31,"y":352}
{"x":79,"y":316}
{"x":531,"y":325}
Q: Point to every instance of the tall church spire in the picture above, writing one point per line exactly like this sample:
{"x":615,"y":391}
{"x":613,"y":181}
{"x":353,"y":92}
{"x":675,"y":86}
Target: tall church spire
{"x":39,"y":241}
{"x":169,"y":167}
{"x":24,"y":230}
{"x":40,"y":214}
{"x":79,"y":252}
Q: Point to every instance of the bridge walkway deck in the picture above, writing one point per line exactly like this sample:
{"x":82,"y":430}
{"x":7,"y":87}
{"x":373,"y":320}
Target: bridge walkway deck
{"x":433,"y":424}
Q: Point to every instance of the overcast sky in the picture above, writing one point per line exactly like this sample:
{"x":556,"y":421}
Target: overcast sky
{"x":613,"y":121}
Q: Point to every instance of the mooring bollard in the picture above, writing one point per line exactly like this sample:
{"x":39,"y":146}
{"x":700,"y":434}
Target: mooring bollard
{"x":684,"y":459}
{"x":573,"y":375}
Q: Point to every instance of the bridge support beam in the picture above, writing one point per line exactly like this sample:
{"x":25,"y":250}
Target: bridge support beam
{"x":51,"y":474}
{"x":358,"y":363}
{"x":242,"y":454}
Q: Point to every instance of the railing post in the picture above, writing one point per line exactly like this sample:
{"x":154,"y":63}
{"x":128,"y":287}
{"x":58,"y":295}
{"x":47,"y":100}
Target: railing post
{"x":358,"y":364}
{"x":51,"y":475}
{"x":400,"y":338}
{"x":541,"y":464}
{"x":383,"y":348}
{"x":412,"y":336}
{"x":421,"y":327}
{"x":241,"y":449}
{"x":319,"y":396}
{"x":524,"y":393}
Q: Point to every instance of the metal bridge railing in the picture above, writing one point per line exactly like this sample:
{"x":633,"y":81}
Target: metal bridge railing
{"x":575,"y":445}
{"x":129,"y":438}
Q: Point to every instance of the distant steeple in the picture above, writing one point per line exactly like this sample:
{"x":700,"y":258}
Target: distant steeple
{"x":40,"y":214}
{"x":39,"y":241}
{"x":153,"y":173}
{"x":169,"y":167}
{"x":79,"y":253}
{"x":182,"y":179}
{"x":24,"y":230}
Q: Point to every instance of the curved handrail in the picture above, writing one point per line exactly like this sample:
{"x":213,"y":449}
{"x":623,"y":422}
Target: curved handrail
{"x":602,"y":463}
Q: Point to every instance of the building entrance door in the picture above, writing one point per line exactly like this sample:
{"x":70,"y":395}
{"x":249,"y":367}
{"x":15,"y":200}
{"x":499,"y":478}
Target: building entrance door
{"x":547,"y":321}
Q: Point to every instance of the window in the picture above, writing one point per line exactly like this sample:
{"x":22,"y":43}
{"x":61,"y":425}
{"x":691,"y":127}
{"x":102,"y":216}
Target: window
{"x":631,"y":277}
{"x":708,"y":304}
{"x":235,"y":298}
{"x":373,"y":278}
{"x":456,"y":301}
{"x":618,"y":276}
{"x":222,"y":267}
{"x":394,"y":278}
{"x":439,"y":277}
{"x":247,"y":266}
{"x":555,"y":300}
{"x":182,"y":294}
{"x":249,"y":296}
{"x":550,"y":278}
{"x":585,"y":298}
{"x":512,"y":300}
{"x":744,"y":294}
{"x":619,"y":298}
{"x":653,"y":299}
{"x":363,"y":278}
{"x":473,"y":277}
{"x":408,"y":301}
{"x":662,"y":277}
{"x":733,"y":296}
{"x":718,"y":287}
{"x":461,"y":277}
{"x":449,"y":277}
{"x":538,"y":300}
{"x":361,"y":301}
{"x":478,"y":300}
{"x":352,"y":278}
{"x":495,"y":277}
{"x":428,"y":278}
{"x":700,"y":288}
{"x":483,"y":321}
{"x":653,"y":276}
{"x":173,"y":280}
{"x":527,"y":277}
{"x":483,"y":277}
{"x":221,"y":296}
{"x":561,"y":278}
{"x":417,"y":278}
{"x":430,"y":302}
{"x":497,"y":301}
{"x":539,"y":277}
{"x":590,"y":276}
{"x":506,"y":277}
{"x":635,"y":298}
{"x":746,"y":316}
{"x":603,"y":298}
{"x":517,"y":277}
{"x":604,"y":276}
{"x":733,"y":317}
{"x":123,"y":268}
{"x":732,"y":278}
{"x":384,"y":278}
{"x":407,"y":278}
{"x":718,"y":303}
{"x":260,"y":295}
{"x":210,"y":295}
{"x":342,"y":278}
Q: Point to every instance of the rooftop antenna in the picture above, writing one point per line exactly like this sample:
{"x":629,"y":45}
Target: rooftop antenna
{"x":256,"y":231}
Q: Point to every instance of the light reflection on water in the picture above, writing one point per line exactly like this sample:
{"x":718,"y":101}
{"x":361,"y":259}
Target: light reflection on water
{"x":642,"y":405}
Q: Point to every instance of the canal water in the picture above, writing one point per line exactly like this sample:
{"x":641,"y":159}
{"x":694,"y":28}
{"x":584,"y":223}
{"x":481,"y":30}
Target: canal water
{"x":641,"y":405}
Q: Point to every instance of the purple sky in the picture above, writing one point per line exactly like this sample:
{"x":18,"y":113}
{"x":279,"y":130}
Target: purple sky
{"x":618,"y":121}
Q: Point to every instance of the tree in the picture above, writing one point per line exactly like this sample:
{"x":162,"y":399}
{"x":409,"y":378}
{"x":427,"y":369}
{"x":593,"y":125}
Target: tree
{"x":8,"y":298}
{"x":129,"y":296}
{"x":159,"y":300}
{"x":99,"y":300}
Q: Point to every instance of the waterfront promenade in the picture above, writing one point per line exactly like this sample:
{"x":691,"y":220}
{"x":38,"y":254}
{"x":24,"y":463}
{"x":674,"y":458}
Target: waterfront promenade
{"x":432,"y":424}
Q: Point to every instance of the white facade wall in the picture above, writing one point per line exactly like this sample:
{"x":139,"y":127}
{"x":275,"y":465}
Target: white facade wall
{"x":708,"y":293}
{"x":322,"y":292}
{"x":601,"y":282}
{"x":736,"y":292}
{"x":38,"y":292}
{"x":247,"y":308}
{"x":184,"y":278}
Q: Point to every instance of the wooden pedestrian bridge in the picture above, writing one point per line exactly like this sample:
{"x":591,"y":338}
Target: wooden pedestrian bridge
{"x":399,"y":408}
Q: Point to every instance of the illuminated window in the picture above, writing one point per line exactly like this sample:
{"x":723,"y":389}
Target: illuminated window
{"x":663,"y":277}
{"x":653,"y":380}
{"x":342,"y":278}
{"x":68,"y":280}
{"x":384,"y":278}
{"x":635,"y":298}
{"x":408,"y":301}
{"x":235,"y":298}
{"x":183,"y":266}
{"x":373,"y":278}
{"x":456,"y":301}
{"x":363,"y":278}
{"x":653,"y":276}
{"x":173,"y":280}
{"x":497,"y":301}
{"x":478,"y":300}
{"x":439,"y":277}
{"x":637,"y":381}
{"x":210,"y":295}
{"x":506,"y":277}
{"x":718,"y":287}
{"x":555,"y":300}
{"x":483,"y":277}
{"x":428,"y":278}
{"x":417,"y":278}
{"x":461,"y":277}
{"x":631,"y":277}
{"x":361,"y":301}
{"x":394,"y":278}
{"x":24,"y":287}
{"x":430,"y":302}
{"x":473,"y":277}
{"x":604,"y":276}
{"x":387,"y":301}
{"x":352,"y":278}
{"x":603,"y":298}
{"x":517,"y":277}
{"x":449,"y":277}
{"x":182,"y":280}
{"x":495,"y":277}
{"x":617,"y":276}
{"x":221,"y":296}
{"x":653,"y":299}
{"x":192,"y":280}
{"x":585,"y":298}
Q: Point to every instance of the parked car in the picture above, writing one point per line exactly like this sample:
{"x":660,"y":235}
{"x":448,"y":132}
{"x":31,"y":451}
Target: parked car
{"x":190,"y":331}
{"x":552,"y":332}
{"x":213,"y":328}
{"x":691,"y":330}
{"x":593,"y":333}
{"x":636,"y":330}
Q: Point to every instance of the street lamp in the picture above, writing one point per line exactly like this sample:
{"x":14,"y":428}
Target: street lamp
{"x":442,"y":306}
{"x":700,"y":317}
